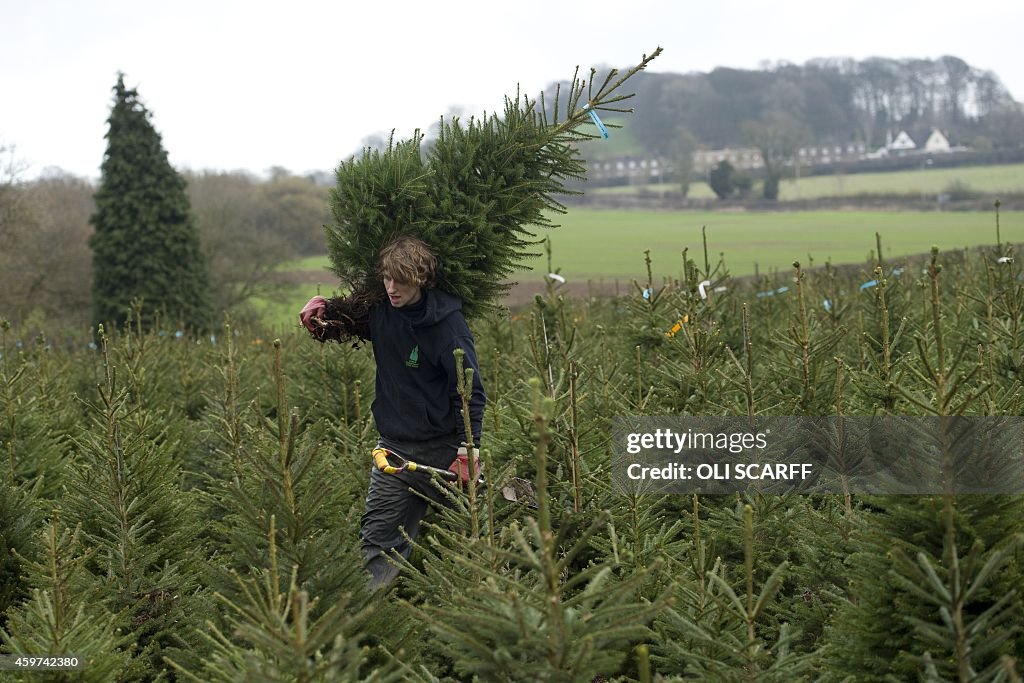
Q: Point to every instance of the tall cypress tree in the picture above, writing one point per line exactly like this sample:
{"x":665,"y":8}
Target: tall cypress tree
{"x":146,"y":244}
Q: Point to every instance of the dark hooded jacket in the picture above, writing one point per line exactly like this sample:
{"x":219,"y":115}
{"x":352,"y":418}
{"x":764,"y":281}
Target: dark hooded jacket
{"x":417,"y":398}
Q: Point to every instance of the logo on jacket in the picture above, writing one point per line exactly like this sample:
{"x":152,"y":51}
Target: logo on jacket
{"x":414,"y":357}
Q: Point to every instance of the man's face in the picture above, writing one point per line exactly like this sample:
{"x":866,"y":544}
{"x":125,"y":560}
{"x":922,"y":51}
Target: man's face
{"x":401,"y":294}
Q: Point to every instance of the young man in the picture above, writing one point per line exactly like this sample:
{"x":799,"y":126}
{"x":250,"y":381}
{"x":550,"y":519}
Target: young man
{"x":417,"y":407}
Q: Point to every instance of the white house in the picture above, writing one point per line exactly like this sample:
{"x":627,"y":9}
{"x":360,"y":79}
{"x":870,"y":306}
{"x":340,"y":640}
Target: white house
{"x":936,"y":142}
{"x":902,"y":143}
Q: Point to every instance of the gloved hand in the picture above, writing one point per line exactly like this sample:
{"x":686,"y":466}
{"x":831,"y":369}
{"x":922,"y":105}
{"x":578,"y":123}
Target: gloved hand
{"x":314,"y":308}
{"x":461,"y":464}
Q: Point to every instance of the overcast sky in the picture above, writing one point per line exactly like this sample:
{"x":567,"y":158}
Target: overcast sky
{"x":300,"y":84}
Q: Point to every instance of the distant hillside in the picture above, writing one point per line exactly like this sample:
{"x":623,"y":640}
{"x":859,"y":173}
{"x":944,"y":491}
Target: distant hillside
{"x":830,"y":101}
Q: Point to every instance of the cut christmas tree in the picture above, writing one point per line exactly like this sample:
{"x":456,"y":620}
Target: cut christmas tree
{"x":473,"y":197}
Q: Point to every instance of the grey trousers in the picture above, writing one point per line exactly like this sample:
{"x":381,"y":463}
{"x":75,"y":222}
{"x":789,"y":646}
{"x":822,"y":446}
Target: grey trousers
{"x":397,"y":502}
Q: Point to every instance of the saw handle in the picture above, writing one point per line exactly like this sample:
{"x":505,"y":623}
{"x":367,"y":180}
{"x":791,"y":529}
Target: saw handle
{"x":380,"y":460}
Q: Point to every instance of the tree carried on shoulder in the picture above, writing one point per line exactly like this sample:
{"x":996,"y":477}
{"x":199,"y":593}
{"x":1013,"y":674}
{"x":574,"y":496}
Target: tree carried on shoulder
{"x":420,"y":245}
{"x":473,"y":197}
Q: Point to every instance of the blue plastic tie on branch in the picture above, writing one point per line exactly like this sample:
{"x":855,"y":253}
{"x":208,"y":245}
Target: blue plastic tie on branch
{"x":868,"y":285}
{"x":772,"y":292}
{"x":597,"y":121}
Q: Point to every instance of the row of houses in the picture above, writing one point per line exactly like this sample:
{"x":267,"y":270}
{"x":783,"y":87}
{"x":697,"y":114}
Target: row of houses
{"x":747,"y":158}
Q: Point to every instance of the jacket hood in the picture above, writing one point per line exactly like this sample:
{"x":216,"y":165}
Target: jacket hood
{"x":437,"y":306}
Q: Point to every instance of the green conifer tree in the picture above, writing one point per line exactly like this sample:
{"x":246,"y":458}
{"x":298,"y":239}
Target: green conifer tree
{"x":146,"y":244}
{"x":63,"y":615}
{"x":281,"y":634}
{"x":718,"y":631}
{"x":126,"y":496}
{"x":917,"y":588}
{"x":19,"y":516}
{"x":33,"y":420}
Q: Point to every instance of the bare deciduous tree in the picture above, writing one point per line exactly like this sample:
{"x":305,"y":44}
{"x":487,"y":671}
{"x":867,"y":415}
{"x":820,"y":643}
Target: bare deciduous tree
{"x":44,"y":253}
{"x":248,"y":228}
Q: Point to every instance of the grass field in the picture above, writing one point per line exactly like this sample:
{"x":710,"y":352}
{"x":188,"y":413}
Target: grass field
{"x":594,"y":244}
{"x":928,"y":182}
{"x":611,"y":243}
{"x":606,"y":245}
{"x":281,"y":310}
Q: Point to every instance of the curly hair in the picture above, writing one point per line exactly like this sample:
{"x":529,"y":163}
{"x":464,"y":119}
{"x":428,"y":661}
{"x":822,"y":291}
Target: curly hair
{"x":408,"y":261}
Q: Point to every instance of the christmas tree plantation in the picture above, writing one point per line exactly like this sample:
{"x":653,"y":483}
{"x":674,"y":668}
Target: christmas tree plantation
{"x":188,"y":508}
